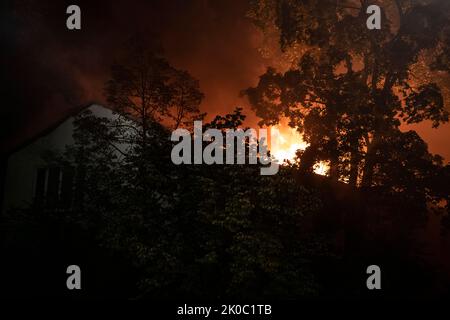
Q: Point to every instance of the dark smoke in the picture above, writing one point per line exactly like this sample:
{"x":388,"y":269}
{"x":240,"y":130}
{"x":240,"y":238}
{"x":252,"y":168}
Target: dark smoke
{"x":52,"y":70}
{"x":49,"y":70}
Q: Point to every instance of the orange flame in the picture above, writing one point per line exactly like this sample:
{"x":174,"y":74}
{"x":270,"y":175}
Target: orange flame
{"x":284,"y":143}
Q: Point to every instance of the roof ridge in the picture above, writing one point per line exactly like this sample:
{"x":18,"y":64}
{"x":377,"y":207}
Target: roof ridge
{"x":71,"y":113}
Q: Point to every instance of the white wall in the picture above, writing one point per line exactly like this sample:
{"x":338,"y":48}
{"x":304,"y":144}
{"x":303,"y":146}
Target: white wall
{"x":23,"y":164}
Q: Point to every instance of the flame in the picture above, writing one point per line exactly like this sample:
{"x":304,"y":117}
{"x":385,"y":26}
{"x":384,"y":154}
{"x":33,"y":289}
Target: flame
{"x":321,"y":168}
{"x":285,"y":141}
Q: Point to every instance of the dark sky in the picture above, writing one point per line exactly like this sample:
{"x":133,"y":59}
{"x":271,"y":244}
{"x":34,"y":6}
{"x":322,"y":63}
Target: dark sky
{"x":49,"y":70}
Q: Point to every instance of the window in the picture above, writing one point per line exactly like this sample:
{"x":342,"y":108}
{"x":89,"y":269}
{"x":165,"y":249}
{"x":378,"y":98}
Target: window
{"x":53,"y":187}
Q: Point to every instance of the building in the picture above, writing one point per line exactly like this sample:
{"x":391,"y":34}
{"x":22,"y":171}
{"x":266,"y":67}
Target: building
{"x":28,"y":177}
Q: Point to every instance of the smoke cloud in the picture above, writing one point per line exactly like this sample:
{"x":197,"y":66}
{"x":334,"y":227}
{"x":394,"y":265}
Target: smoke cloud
{"x":51,"y":70}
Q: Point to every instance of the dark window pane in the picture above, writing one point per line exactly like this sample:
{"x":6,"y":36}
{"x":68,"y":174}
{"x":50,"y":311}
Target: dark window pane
{"x":53,"y":185}
{"x":40,"y":184}
{"x":66,"y":187}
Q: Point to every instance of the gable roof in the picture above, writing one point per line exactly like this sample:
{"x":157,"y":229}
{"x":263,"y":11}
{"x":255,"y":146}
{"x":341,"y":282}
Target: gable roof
{"x":72,"y":113}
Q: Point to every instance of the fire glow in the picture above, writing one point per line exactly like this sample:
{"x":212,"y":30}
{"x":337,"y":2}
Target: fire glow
{"x":285,"y":141}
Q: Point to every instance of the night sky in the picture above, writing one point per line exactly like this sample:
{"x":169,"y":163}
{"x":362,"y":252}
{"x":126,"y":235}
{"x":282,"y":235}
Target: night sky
{"x":49,"y":70}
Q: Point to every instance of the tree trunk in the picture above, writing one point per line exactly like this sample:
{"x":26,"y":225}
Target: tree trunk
{"x":369,"y":162}
{"x":334,"y":168}
{"x":333,"y":146}
{"x":354,"y":164}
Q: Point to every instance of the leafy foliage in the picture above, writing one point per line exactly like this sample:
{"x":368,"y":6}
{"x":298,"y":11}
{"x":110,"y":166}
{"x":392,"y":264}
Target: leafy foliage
{"x":182,"y":226}
{"x":146,"y":87}
{"x":349,"y":92}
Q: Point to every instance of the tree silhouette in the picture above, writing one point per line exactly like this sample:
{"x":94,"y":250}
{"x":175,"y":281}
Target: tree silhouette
{"x":145,"y":87}
{"x":348,"y":91}
{"x":185,"y":100}
{"x":191,"y":223}
{"x":146,"y":90}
